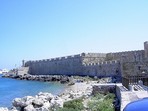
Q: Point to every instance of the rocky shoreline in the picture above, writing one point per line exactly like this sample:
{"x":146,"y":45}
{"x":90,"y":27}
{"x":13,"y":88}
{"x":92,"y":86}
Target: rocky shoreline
{"x":77,"y":88}
{"x":47,"y":102}
{"x":40,"y":102}
{"x":44,"y":78}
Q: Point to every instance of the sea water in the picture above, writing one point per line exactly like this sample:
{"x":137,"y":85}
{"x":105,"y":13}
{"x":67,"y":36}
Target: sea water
{"x":12,"y":88}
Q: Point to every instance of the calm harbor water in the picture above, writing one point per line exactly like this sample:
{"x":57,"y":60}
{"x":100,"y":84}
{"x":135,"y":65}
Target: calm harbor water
{"x":12,"y":88}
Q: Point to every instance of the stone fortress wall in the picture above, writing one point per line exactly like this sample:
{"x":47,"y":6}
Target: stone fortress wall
{"x":91,"y":64}
{"x":137,"y":64}
{"x":107,"y":68}
{"x":62,"y":65}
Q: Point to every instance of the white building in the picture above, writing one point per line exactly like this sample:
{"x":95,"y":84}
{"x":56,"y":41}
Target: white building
{"x":3,"y":71}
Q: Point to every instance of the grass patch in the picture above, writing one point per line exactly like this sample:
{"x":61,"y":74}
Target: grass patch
{"x":101,"y":103}
{"x":98,"y":102}
{"x":73,"y":105}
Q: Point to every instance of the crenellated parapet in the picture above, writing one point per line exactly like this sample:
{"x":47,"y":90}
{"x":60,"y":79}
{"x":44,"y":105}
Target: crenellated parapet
{"x":102,"y":63}
{"x":53,"y":59}
{"x":105,"y":68}
{"x":98,"y":55}
{"x":137,"y":55}
{"x":94,"y":64}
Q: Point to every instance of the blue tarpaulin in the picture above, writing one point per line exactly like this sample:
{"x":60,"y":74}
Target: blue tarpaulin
{"x":139,"y":105}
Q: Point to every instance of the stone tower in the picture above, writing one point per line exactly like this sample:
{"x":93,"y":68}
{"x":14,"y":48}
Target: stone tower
{"x":23,"y":63}
{"x":146,"y":49}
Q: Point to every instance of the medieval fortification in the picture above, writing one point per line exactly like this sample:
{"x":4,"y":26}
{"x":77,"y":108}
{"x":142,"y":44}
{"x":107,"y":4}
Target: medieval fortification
{"x":93,"y":64}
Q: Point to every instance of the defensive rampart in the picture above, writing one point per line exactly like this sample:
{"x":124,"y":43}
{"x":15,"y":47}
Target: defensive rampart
{"x":107,"y":68}
{"x":126,"y":56}
{"x":93,"y":64}
{"x":64,"y":65}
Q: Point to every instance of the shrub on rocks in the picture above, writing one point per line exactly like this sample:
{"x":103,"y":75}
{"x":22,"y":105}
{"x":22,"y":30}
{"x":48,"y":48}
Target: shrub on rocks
{"x":101,"y":103}
{"x":67,"y":109}
{"x":73,"y":105}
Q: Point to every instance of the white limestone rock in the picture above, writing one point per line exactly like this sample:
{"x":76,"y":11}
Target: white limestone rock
{"x":57,"y":101}
{"x":14,"y":109}
{"x":46,"y":105}
{"x":47,"y":96}
{"x":38,"y":102}
{"x":16,"y":102}
{"x":3,"y":109}
{"x":42,"y":109}
{"x":25,"y":101}
{"x":29,"y":108}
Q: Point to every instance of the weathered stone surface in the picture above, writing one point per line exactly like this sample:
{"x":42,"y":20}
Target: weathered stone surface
{"x":4,"y":109}
{"x":103,"y":89}
{"x":16,"y":102}
{"x":22,"y":102}
{"x":57,"y":101}
{"x":47,"y":96}
{"x":38,"y":102}
{"x":14,"y":109}
{"x":29,"y":108}
{"x":41,"y":102}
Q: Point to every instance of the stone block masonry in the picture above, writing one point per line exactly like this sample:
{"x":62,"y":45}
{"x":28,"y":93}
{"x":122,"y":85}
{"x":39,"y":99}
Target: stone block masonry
{"x":91,"y":64}
{"x":108,"y":68}
{"x":70,"y":65}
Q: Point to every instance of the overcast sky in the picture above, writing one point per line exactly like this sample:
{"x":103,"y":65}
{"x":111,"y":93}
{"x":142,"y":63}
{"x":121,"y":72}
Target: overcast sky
{"x":42,"y":29}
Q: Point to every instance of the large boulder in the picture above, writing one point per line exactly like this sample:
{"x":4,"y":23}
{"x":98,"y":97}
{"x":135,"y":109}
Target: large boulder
{"x":14,"y":109}
{"x":41,"y":102}
{"x":47,"y":96}
{"x":29,"y":108}
{"x":25,"y":101}
{"x":16,"y":102}
{"x":42,"y":109}
{"x":38,"y":102}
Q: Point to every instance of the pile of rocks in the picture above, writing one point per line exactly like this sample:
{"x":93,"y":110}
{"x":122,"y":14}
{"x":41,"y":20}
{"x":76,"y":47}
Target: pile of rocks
{"x":45,"y":78}
{"x":47,"y":101}
{"x":41,"y":102}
